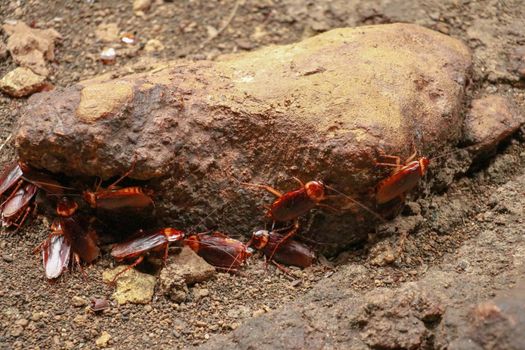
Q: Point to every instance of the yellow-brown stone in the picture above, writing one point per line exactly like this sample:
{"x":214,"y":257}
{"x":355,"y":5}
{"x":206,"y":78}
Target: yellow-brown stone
{"x":100,"y":100}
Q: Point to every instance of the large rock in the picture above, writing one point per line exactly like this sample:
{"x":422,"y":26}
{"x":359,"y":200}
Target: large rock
{"x":320,"y":109}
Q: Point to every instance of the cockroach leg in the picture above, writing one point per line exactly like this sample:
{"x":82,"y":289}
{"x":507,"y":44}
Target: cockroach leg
{"x":126,"y":174}
{"x":138,"y":261}
{"x":298,"y":180}
{"x":290,"y":234}
{"x":281,"y":267}
{"x":270,"y":189}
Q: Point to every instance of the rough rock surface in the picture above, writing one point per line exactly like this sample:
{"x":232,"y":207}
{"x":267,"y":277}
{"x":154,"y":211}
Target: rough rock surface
{"x":132,"y":286}
{"x":22,"y":82}
{"x":30,"y":47}
{"x":452,"y":306}
{"x":107,"y":32}
{"x":491,"y":119}
{"x":321,"y":108}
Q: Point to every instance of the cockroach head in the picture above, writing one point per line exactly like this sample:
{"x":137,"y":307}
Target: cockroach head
{"x":173,"y":235}
{"x":315,"y":190}
{"x":193,"y":242}
{"x":66,"y":207}
{"x":260,"y":239}
{"x":91,"y":198}
{"x":423,"y":165}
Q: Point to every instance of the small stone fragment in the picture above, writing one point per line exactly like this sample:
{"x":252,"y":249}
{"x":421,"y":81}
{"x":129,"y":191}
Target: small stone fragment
{"x":108,"y":55}
{"x":99,"y":304}
{"x":191,"y":267}
{"x":491,"y":119}
{"x":103,"y":340}
{"x":3,"y":50}
{"x":153,"y":45}
{"x":22,"y":82}
{"x":107,"y":32}
{"x":16,"y":331}
{"x":80,"y":319}
{"x":30,"y":47}
{"x":132,"y":286}
{"x":7,"y":258}
{"x":174,"y":287}
{"x":78,"y":301}
{"x":22,"y":322}
{"x":199,"y":293}
{"x":141,"y":5}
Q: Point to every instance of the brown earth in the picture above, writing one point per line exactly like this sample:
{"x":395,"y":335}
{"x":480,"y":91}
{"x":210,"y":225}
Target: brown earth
{"x":465,"y":245}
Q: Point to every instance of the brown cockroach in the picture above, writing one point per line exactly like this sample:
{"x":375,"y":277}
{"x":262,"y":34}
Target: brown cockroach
{"x":113,"y":198}
{"x":9,"y":177}
{"x":403,"y":179}
{"x":118,"y":198}
{"x":219,"y":250}
{"x":143,"y":243}
{"x":71,"y":236}
{"x":24,"y":182}
{"x":16,"y":208}
{"x":289,"y":206}
{"x":77,"y":231}
{"x":289,"y":253}
{"x":121,"y":210}
{"x":56,"y":252}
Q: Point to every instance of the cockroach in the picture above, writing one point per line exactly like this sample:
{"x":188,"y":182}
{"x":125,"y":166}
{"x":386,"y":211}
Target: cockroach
{"x":10,"y":176}
{"x":117,"y":199}
{"x":25,"y":181}
{"x":113,"y":198}
{"x":17,"y":207}
{"x":71,"y":236}
{"x":56,"y":252}
{"x":76,"y":230}
{"x":219,"y":250}
{"x":291,"y":205}
{"x":143,"y":243}
{"x":289,"y":253}
{"x":403,"y":179}
{"x":121,"y":210}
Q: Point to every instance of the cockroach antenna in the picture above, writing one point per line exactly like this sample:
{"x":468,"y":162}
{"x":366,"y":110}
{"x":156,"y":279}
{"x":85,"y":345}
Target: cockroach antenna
{"x":357,"y":203}
{"x":6,"y":141}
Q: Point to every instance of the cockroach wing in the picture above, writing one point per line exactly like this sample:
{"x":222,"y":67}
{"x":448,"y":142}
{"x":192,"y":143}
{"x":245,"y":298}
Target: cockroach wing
{"x":399,"y":183}
{"x":138,"y":246}
{"x":83,"y":241}
{"x":291,"y":205}
{"x":16,"y":202}
{"x":124,"y":200}
{"x":290,"y":252}
{"x":43,"y":181}
{"x":9,"y":177}
{"x":55,"y":256}
{"x":221,"y":252}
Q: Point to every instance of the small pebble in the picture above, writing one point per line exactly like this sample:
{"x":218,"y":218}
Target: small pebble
{"x":7,"y":258}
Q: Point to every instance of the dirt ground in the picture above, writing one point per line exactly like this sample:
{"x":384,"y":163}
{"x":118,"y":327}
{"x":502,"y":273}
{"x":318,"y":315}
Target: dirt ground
{"x":37,"y":314}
